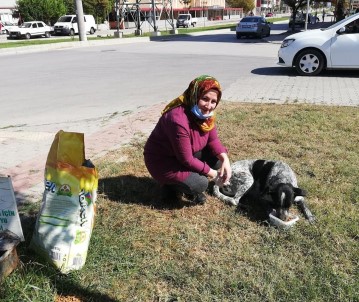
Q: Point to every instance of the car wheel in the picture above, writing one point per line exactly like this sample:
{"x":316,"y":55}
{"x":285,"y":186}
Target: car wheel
{"x":72,"y":32}
{"x":28,"y":36}
{"x":268,"y":33}
{"x":261,"y":34}
{"x":309,"y":62}
{"x":238,"y":35}
{"x":47,"y":35}
{"x":92,"y":31}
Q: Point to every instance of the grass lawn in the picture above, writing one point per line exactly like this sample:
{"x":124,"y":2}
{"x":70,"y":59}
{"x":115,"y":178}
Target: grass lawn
{"x":145,"y":250}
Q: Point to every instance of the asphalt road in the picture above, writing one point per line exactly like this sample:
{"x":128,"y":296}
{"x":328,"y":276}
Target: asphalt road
{"x":110,"y":92}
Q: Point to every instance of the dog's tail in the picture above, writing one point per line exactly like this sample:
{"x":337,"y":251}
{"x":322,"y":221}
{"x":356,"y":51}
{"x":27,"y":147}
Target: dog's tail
{"x":224,"y":198}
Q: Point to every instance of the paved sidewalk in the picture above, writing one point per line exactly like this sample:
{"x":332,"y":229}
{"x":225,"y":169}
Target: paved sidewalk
{"x":339,"y":88}
{"x":27,"y":176}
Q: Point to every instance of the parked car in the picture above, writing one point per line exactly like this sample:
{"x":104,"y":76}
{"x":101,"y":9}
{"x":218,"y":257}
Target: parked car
{"x":186,"y":20}
{"x":30,"y":29}
{"x":6,"y":26}
{"x":254,"y":26}
{"x":269,"y":15}
{"x":300,"y":19}
{"x":67,"y":25}
{"x":335,"y":47}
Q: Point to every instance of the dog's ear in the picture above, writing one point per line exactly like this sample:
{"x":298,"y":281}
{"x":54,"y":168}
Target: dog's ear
{"x":299,"y":192}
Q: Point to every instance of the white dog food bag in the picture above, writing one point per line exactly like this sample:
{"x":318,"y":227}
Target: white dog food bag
{"x":66,"y":218}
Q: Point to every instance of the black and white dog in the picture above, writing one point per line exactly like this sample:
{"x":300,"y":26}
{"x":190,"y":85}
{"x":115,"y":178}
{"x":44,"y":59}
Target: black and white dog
{"x":271,"y":182}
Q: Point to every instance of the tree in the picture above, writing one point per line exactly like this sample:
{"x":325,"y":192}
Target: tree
{"x":295,"y":5}
{"x":186,"y":3}
{"x":70,"y":7}
{"x":98,"y":8}
{"x":41,"y":10}
{"x":247,"y":5}
{"x":340,"y":10}
{"x":50,"y":10}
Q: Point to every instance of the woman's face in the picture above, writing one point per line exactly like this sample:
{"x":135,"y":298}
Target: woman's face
{"x":208,"y":102}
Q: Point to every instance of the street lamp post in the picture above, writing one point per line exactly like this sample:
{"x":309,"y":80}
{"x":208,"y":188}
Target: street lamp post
{"x":306,"y":17}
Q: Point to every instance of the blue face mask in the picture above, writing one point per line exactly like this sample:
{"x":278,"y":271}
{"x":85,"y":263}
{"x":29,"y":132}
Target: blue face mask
{"x":198,"y":113}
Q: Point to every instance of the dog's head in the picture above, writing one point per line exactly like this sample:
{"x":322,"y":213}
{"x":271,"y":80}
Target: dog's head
{"x":283,"y":196}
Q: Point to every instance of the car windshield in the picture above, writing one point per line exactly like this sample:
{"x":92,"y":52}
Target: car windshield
{"x":249,"y":19}
{"x":65,"y":19}
{"x":26,"y":25}
{"x":182,"y":17}
{"x":342,"y":21}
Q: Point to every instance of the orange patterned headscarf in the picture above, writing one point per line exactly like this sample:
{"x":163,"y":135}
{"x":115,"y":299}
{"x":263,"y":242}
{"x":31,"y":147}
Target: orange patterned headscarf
{"x":190,"y":97}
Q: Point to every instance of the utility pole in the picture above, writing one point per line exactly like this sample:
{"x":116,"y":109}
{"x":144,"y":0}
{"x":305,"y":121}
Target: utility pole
{"x":154,"y":16}
{"x":204,"y":3}
{"x":117,"y":33}
{"x":80,"y":20}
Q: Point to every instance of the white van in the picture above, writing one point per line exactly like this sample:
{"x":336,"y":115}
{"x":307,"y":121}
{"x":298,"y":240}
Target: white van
{"x":67,"y":25}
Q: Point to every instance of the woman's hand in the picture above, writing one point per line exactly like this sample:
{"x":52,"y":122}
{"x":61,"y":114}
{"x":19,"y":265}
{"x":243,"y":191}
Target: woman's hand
{"x":212,"y":174}
{"x":225,"y":172}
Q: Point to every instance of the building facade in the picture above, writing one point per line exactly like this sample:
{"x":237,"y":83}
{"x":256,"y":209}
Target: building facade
{"x":6,"y":10}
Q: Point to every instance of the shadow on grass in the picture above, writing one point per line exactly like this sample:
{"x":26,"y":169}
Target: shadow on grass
{"x":65,"y":285}
{"x":130,"y":189}
{"x":254,"y":211}
{"x":137,"y":190}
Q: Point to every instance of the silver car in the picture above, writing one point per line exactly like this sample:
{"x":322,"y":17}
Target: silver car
{"x":253,"y":26}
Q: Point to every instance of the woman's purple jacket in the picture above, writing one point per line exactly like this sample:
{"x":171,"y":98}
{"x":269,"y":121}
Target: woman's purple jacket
{"x":169,"y":149}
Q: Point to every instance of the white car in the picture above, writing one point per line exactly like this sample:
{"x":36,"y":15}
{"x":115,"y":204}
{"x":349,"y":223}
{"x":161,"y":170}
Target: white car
{"x":335,"y":47}
{"x":67,"y":25}
{"x":6,"y":26}
{"x":30,"y":29}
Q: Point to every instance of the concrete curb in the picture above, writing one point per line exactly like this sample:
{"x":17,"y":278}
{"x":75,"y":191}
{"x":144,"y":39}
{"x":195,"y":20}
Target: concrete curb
{"x":71,"y":45}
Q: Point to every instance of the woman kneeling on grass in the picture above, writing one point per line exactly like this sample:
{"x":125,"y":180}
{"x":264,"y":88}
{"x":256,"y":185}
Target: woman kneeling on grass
{"x":184,"y":148}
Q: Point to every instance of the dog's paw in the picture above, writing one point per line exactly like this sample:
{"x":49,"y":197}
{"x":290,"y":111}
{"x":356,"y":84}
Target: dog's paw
{"x":311,"y":219}
{"x":232,"y":202}
{"x":299,"y":199}
{"x":235,"y":203}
